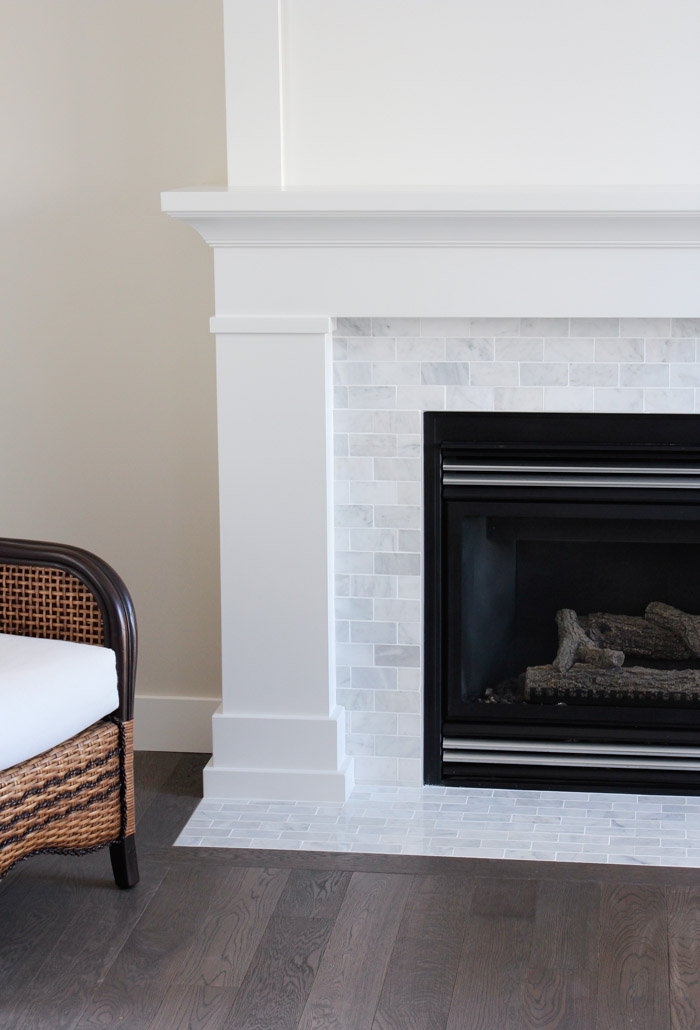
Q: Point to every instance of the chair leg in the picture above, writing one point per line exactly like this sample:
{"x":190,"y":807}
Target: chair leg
{"x":124,"y":864}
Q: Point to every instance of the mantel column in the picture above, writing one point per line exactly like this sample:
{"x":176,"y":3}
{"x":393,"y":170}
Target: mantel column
{"x":279,"y":732}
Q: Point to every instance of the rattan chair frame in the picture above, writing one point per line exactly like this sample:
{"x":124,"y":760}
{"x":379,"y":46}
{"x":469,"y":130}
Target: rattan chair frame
{"x":78,"y":796}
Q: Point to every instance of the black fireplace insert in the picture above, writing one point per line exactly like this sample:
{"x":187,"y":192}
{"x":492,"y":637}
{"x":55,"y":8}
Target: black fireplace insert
{"x":562,"y":582}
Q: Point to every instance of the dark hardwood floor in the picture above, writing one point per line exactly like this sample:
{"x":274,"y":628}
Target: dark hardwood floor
{"x":266,"y":940}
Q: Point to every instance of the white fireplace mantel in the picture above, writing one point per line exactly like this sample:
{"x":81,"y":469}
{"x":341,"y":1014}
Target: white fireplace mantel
{"x":286,"y":263}
{"x":555,"y":251}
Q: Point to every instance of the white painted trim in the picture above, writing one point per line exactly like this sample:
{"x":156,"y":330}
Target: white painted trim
{"x":271,"y":326}
{"x":507,"y":200}
{"x":279,"y":784}
{"x":174,"y":723}
{"x":253,"y":94}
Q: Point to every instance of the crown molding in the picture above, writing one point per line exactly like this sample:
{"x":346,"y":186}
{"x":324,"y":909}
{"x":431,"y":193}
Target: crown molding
{"x":557,"y":218}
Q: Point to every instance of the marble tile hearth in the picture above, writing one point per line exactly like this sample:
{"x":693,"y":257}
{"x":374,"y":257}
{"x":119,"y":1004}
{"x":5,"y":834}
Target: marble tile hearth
{"x":550,"y":826}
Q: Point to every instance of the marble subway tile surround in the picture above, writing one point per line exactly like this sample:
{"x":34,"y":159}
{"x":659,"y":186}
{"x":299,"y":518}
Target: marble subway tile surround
{"x":387,"y":371}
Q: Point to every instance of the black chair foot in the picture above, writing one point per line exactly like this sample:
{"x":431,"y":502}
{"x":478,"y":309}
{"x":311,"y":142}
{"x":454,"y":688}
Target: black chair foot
{"x":124,"y":864}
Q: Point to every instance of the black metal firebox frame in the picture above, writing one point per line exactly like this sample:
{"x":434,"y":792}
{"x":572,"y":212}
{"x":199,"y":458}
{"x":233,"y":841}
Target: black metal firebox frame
{"x":589,"y":444}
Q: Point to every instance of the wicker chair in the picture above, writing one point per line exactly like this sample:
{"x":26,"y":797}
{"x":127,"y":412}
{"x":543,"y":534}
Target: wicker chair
{"x":78,"y":796}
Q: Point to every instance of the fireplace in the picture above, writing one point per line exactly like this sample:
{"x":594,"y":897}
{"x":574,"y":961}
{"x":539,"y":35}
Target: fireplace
{"x":530,"y":515}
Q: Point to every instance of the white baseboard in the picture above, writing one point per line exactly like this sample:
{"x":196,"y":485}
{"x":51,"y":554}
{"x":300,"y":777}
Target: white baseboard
{"x":174,"y":723}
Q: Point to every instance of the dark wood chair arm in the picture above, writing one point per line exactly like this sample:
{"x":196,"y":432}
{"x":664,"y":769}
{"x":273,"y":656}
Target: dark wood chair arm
{"x":118,"y":623}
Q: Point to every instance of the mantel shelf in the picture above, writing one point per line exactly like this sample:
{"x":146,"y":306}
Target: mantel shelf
{"x":509,"y":201}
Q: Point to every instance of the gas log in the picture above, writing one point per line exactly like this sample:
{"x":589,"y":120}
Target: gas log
{"x":634,"y":635}
{"x":584,"y":684}
{"x":588,"y":667}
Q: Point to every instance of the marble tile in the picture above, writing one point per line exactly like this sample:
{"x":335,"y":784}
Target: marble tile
{"x":373,"y":632}
{"x":685,"y":375}
{"x":374,"y":539}
{"x":395,"y":326}
{"x":372,"y":492}
{"x":421,"y":398}
{"x":371,"y":396}
{"x":518,"y":398}
{"x":594,"y":374}
{"x":352,"y":421}
{"x":469,"y":398}
{"x":644,"y":375}
{"x":459,"y":822}
{"x":566,"y":349}
{"x":371,"y":444}
{"x":351,"y":373}
{"x":409,"y":446}
{"x":397,"y":469}
{"x":494,"y":373}
{"x":397,"y":373}
{"x":397,"y":422}
{"x":568,"y":398}
{"x":519,"y":349}
{"x":400,"y":516}
{"x":371,"y":350}
{"x":410,"y":540}
{"x":354,"y":468}
{"x":619,"y":400}
{"x":377,"y":680}
{"x":494,"y":326}
{"x":670,"y":350}
{"x":676,"y":401}
{"x":685,"y":327}
{"x":349,"y":515}
{"x":619,"y":350}
{"x":544,"y":373}
{"x":397,"y":611}
{"x":544,"y":327}
{"x":445,"y":326}
{"x":373,"y":586}
{"x":645,"y":327}
{"x":476,"y":349}
{"x":421,"y":349}
{"x":594,"y":327}
{"x":398,"y":564}
{"x":444,"y":373}
{"x":409,"y":587}
{"x":396,"y":654}
{"x":353,"y":327}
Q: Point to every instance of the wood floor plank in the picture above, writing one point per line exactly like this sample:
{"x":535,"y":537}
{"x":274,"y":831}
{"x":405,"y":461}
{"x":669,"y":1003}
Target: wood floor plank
{"x":495,"y":897}
{"x":559,"y":999}
{"x":317,"y":894}
{"x":175,"y":801}
{"x":36,"y":910}
{"x":275,"y":989}
{"x":684,"y":957}
{"x":423,"y":966}
{"x":316,"y":952}
{"x":151,"y":771}
{"x":135,"y":985}
{"x":567,"y":925}
{"x":347,"y":988}
{"x":98,"y":921}
{"x":222,"y":950}
{"x":193,"y":1008}
{"x":633,"y":980}
{"x":492,"y":970}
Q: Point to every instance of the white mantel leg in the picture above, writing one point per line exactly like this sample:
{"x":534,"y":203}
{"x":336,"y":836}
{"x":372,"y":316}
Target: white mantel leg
{"x":279,"y":732}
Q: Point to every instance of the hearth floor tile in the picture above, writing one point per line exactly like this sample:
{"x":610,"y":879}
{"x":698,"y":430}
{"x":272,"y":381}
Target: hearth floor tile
{"x":523,"y":825}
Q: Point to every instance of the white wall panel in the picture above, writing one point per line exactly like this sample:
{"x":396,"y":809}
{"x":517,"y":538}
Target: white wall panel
{"x":464,"y":92}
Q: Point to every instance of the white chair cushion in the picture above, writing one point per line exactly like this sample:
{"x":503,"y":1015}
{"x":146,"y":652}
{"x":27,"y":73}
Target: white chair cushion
{"x":49,"y":691}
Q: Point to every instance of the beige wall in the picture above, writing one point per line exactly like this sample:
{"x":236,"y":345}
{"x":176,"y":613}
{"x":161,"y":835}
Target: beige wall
{"x":107,"y":380}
